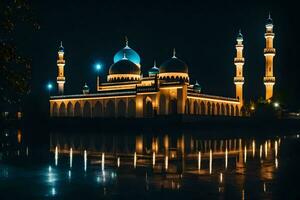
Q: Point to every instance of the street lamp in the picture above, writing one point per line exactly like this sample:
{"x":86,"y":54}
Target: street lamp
{"x":276,"y":105}
{"x":98,"y":67}
{"x":49,"y":87}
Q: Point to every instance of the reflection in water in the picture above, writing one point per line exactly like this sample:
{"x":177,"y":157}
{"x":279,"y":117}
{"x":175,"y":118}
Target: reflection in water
{"x":160,"y":162}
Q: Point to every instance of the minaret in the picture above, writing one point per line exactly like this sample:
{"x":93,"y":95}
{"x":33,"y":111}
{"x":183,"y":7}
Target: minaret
{"x":60,"y":76}
{"x":269,"y":52}
{"x":239,"y":63}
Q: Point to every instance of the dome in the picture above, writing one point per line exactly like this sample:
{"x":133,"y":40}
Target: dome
{"x":173,"y":65}
{"x":154,"y":70}
{"x":124,"y":66}
{"x":197,"y":87}
{"x":131,"y":55}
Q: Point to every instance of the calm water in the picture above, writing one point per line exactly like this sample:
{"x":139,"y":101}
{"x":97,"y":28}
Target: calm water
{"x":147,"y":166}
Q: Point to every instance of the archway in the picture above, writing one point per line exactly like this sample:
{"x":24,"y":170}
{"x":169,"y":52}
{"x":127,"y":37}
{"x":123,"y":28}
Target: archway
{"x":208,"y":108}
{"x":148,"y":107}
{"x":213,"y":109}
{"x":70,"y":109}
{"x":196,"y":107}
{"x":55,"y":110}
{"x":218,"y":109}
{"x":173,"y":107}
{"x":62,"y":110}
{"x":131,"y":108}
{"x":77,"y":110}
{"x":227,"y":110}
{"x":202,"y":106}
{"x":87,"y":111}
{"x":121,"y":109}
{"x":222,"y":109}
{"x":237,"y":111}
{"x":97,"y":111}
{"x":187,"y":109}
{"x":110,"y":109}
{"x":162,"y":105}
{"x":231,"y":110}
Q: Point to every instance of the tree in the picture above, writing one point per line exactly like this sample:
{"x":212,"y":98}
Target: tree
{"x":15,"y":68}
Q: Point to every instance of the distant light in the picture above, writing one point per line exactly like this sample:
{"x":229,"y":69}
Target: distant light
{"x":49,"y":86}
{"x":276,"y":105}
{"x":252,"y":108}
{"x":53,"y":192}
{"x":98,"y":66}
{"x":49,"y":169}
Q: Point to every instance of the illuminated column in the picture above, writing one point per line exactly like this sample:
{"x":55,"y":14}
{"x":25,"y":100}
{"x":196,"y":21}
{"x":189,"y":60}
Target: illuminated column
{"x":239,"y":63}
{"x":60,"y":76}
{"x":269,"y":52}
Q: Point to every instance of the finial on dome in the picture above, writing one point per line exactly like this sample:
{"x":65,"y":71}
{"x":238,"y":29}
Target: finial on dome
{"x":124,"y":55}
{"x":174,"y":53}
{"x":269,"y":20}
{"x":126,"y":41}
{"x":270,"y":15}
{"x":240,"y":35}
{"x":154,"y":63}
{"x":61,"y":48}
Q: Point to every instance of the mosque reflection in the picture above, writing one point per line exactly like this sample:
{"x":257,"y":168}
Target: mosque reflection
{"x":171,"y":157}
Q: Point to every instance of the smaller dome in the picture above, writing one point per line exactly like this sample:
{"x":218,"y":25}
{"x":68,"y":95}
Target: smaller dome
{"x":85,"y":89}
{"x":197,"y":87}
{"x":124,"y":66}
{"x":173,"y":65}
{"x":154,"y":70}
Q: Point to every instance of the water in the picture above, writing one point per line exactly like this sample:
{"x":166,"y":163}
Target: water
{"x":147,"y":166}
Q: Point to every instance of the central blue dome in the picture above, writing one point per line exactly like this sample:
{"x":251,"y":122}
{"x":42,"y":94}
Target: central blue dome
{"x":131,"y":55}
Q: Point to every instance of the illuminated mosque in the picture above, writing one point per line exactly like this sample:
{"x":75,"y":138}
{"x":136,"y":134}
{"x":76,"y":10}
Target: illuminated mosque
{"x":166,"y":90}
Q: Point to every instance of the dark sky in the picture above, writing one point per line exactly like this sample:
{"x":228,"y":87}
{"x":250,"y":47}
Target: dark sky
{"x":203,"y":33}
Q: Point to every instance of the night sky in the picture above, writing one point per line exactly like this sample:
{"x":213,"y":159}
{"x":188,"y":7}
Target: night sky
{"x":203,"y":33}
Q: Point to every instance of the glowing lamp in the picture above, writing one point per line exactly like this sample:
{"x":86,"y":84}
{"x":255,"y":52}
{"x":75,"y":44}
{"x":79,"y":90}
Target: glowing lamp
{"x":49,"y":86}
{"x":276,"y":105}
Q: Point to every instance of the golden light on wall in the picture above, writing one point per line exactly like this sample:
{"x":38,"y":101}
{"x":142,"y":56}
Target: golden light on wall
{"x":19,"y":136}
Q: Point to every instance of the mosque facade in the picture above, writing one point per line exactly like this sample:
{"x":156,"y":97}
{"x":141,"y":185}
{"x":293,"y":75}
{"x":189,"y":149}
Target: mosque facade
{"x":166,"y":90}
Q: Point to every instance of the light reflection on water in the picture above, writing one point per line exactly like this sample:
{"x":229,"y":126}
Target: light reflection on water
{"x":154,"y":163}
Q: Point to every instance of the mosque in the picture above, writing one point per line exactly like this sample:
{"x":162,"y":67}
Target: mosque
{"x":166,"y":90}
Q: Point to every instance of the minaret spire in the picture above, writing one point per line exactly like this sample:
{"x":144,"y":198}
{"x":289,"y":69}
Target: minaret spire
{"x":239,"y":64}
{"x":174,"y":53}
{"x":126,"y":41}
{"x":60,"y":75}
{"x":269,"y":53}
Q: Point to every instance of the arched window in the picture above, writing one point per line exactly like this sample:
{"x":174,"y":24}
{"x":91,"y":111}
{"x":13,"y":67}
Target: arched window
{"x":148,"y":108}
{"x":62,"y":110}
{"x":77,"y":110}
{"x":213,"y":109}
{"x":227,"y":110}
{"x":55,"y":110}
{"x":97,"y":111}
{"x":162,"y":105}
{"x":218,"y":109}
{"x":208,"y":108}
{"x":187,"y":109}
{"x":70,"y":109}
{"x":87,"y":111}
{"x":110,"y":109}
{"x":231,"y":110}
{"x":222,"y":109}
{"x":121,"y":109}
{"x":196,"y":107}
{"x":202,"y":108}
{"x":131,"y":108}
{"x":173,"y":106}
{"x":237,"y":111}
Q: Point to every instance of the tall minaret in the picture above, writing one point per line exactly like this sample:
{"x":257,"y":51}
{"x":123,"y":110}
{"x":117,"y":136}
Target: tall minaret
{"x":239,"y":63}
{"x":60,"y":75}
{"x":269,"y":52}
